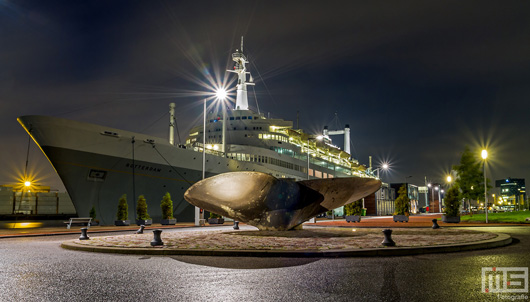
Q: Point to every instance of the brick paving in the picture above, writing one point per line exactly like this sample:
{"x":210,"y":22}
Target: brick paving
{"x":314,"y":239}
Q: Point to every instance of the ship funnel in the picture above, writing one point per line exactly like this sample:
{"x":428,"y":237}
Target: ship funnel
{"x":172,"y":123}
{"x":345,"y":132}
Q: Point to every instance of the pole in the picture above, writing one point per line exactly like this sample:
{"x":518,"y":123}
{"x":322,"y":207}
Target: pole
{"x":307,"y":159}
{"x":204,"y":141}
{"x":197,"y":210}
{"x":134,"y":182}
{"x":439,"y":199}
{"x":224,"y":127}
{"x":426,"y":194}
{"x":432,"y":194}
{"x":485,"y":193}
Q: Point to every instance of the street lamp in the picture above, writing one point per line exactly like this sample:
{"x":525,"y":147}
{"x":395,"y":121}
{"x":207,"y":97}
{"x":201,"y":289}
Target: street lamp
{"x":383,"y":167}
{"x":449,"y":179}
{"x":484,"y":156}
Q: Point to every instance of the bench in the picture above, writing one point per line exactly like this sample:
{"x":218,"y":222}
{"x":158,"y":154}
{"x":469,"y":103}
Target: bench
{"x":80,"y":220}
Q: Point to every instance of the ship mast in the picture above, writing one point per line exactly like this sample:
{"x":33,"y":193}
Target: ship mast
{"x":240,"y":60}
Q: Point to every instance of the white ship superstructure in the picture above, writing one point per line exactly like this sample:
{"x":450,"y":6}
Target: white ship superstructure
{"x":98,"y":164}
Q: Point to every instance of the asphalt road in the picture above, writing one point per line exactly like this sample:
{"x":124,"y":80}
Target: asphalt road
{"x":38,"y":269}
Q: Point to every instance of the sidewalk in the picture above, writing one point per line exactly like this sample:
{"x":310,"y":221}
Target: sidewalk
{"x":415,"y":221}
{"x":27,"y":229}
{"x":8,"y":229}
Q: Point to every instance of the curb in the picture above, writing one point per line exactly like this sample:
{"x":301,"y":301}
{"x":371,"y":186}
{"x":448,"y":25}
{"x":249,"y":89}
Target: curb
{"x":499,"y":241}
{"x":128,"y":229}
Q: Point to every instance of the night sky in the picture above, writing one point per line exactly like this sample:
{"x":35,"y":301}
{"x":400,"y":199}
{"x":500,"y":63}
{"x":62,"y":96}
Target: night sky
{"x":416,"y":81}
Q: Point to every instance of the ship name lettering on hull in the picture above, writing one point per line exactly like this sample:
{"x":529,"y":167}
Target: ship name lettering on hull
{"x":143,"y":167}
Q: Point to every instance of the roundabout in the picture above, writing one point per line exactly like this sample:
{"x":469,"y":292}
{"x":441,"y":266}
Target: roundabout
{"x":308,"y":242}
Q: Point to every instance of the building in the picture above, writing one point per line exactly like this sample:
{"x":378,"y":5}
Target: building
{"x":512,"y":194}
{"x":381,"y":202}
{"x":413,"y":194}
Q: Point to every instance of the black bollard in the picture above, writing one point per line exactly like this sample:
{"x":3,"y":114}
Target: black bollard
{"x":141,"y":229}
{"x":388,"y":238}
{"x":157,"y":240}
{"x":236,"y":225}
{"x":84,"y":235}
{"x":435,"y":224}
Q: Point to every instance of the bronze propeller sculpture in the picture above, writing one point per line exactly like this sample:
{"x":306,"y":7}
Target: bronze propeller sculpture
{"x":269,"y":203}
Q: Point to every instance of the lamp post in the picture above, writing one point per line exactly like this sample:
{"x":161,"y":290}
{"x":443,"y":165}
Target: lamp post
{"x":378,"y":194}
{"x":426,"y":196}
{"x":437,"y":188}
{"x":221,"y":95}
{"x":198,"y":213}
{"x":484,"y":156}
{"x":432,"y":195}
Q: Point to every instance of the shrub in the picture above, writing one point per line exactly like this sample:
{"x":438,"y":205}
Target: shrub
{"x":452,"y":201}
{"x":402,"y":202}
{"x":92,"y":213}
{"x":213,"y":215}
{"x":167,"y":207}
{"x":141,"y":209}
{"x":354,"y":208}
{"x":123,"y":208}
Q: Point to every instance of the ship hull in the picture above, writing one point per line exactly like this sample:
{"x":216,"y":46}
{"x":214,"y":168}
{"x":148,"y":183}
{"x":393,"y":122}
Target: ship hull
{"x":95,"y":180}
{"x":99,"y":164}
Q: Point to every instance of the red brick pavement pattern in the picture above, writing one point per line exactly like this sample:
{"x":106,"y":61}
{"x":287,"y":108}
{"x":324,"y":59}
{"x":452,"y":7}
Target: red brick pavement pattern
{"x":422,"y":221}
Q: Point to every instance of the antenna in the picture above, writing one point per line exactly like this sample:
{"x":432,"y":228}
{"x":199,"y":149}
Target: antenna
{"x":241,"y":43}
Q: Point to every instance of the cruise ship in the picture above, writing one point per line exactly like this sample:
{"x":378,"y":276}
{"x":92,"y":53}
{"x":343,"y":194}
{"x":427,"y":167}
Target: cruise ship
{"x":98,"y":164}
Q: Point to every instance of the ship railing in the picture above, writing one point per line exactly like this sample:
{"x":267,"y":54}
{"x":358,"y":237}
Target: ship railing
{"x":238,"y":55}
{"x":197,"y":147}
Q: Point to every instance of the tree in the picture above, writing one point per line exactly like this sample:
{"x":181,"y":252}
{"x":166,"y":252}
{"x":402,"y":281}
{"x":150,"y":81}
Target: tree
{"x":470,"y":177}
{"x":402,"y":202}
{"x":167,"y":207}
{"x":141,"y":208}
{"x":452,"y":201}
{"x":123,"y":208}
{"x":92,"y":213}
{"x":354,"y":208}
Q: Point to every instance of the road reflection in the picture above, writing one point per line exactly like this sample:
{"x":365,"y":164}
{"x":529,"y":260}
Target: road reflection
{"x":244,"y":262}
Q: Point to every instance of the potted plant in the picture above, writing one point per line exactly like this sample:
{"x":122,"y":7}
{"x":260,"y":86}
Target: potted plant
{"x":123,"y":212}
{"x":143,"y":217}
{"x":167,"y":211}
{"x":215,"y":219}
{"x":353,"y":211}
{"x":92,"y":214}
{"x":402,"y":205}
{"x":452,"y":205}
